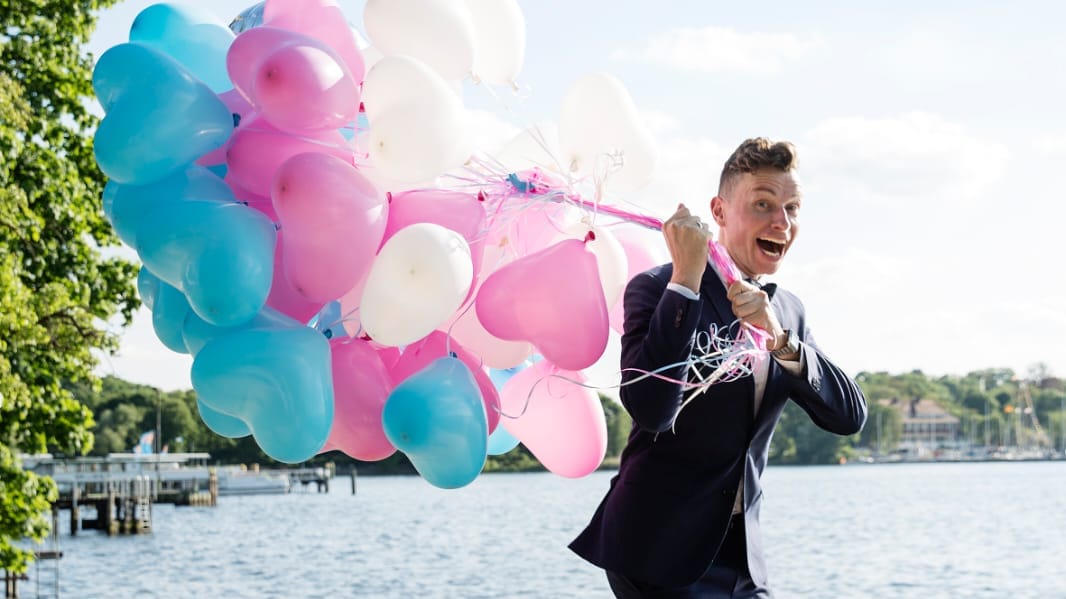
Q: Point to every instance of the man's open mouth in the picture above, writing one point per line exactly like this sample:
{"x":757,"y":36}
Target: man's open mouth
{"x":774,"y":248}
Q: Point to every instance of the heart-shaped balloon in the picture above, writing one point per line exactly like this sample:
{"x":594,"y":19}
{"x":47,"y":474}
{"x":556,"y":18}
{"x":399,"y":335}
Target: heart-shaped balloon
{"x":197,"y":332}
{"x":561,"y":422}
{"x":417,"y":281}
{"x":360,"y":387}
{"x":220,"y":255}
{"x":333,"y":219}
{"x":322,"y":20}
{"x":277,"y":381}
{"x":127,"y":206}
{"x":436,"y":418}
{"x":437,"y":344}
{"x":194,"y":37}
{"x":297,"y":82}
{"x":553,"y":299}
{"x":159,"y":119}
{"x":258,"y":149}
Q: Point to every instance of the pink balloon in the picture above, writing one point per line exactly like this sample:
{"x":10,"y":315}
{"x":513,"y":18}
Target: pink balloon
{"x":494,"y":352}
{"x":554,"y":300}
{"x":306,"y":87}
{"x":257,"y":149}
{"x":283,"y":297}
{"x":333,"y":218}
{"x":560,"y":422}
{"x":297,"y":82}
{"x":523,"y":231}
{"x":360,"y":387}
{"x":419,"y":354}
{"x":322,"y":20}
{"x":461,"y":212}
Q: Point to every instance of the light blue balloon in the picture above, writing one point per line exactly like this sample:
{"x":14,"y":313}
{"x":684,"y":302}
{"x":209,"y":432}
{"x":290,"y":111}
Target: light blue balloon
{"x":169,"y":309}
{"x":220,"y":255}
{"x":127,"y":206}
{"x":501,"y":441}
{"x":221,"y":424}
{"x":277,"y":381}
{"x":159,"y":118}
{"x":437,"y":418}
{"x":197,"y":332}
{"x":196,"y":38}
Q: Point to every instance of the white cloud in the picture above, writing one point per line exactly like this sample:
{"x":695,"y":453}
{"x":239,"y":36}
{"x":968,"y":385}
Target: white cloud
{"x":718,"y":49}
{"x":912,"y":156}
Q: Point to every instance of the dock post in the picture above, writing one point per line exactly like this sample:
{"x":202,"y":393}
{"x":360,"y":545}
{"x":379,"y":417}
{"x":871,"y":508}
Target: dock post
{"x":353,"y":480}
{"x":74,"y":519}
{"x":212,"y":486}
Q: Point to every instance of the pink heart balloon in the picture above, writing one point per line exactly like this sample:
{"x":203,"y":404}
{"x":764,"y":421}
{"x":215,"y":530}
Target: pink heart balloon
{"x":553,"y":299}
{"x":322,"y":20}
{"x":333,"y":218}
{"x":420,"y":354}
{"x":360,"y":387}
{"x":560,"y":422}
{"x":283,"y":297}
{"x":257,"y":149}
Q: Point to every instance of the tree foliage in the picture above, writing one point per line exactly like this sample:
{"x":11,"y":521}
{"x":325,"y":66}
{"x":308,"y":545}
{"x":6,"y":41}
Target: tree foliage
{"x":56,"y":289}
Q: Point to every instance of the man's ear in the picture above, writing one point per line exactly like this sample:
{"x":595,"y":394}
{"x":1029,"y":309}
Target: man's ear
{"x":718,"y":210}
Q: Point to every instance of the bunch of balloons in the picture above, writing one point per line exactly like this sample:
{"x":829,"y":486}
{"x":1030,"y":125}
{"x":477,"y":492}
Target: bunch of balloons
{"x":284,"y":201}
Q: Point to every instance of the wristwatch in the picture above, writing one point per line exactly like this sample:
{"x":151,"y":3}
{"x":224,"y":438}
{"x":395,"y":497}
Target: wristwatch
{"x":791,"y":346}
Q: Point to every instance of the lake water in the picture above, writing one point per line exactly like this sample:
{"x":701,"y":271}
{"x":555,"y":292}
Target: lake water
{"x":912,"y":530}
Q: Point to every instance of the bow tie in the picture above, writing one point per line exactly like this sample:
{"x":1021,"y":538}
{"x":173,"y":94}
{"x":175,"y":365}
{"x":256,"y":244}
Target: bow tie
{"x":769,"y":288}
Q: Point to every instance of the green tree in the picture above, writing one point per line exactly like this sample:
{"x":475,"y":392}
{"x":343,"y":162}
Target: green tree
{"x":55,"y":287}
{"x":619,"y":423}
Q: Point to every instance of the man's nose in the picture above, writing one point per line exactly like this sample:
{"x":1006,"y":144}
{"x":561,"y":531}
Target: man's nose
{"x":780,"y":220}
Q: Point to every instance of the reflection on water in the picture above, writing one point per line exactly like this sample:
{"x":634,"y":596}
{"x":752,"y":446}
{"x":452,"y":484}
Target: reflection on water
{"x":913,"y":530}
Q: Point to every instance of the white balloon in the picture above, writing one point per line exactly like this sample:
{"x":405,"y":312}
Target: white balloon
{"x":610,"y":258}
{"x":437,"y":32}
{"x":412,"y":143}
{"x":402,"y":80}
{"x":418,"y":127}
{"x":499,"y":39}
{"x":598,"y":121}
{"x":418,"y":280}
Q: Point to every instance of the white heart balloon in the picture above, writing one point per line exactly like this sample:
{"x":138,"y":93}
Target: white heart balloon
{"x":418,"y":280}
{"x":437,"y":32}
{"x":499,"y":39}
{"x":599,"y":123}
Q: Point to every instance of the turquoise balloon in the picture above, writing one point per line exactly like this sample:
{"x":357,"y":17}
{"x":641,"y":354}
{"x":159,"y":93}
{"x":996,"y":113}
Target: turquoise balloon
{"x":169,"y":309}
{"x":221,"y":424}
{"x":197,"y":332}
{"x":437,"y":418}
{"x":501,"y":441}
{"x":196,"y":38}
{"x":159,"y":119}
{"x":277,"y":381}
{"x":220,"y":255}
{"x":127,"y":206}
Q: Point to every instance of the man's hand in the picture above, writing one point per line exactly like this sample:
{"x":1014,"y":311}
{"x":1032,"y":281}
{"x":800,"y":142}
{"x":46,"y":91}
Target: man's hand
{"x":752,"y":306}
{"x":686,"y":238}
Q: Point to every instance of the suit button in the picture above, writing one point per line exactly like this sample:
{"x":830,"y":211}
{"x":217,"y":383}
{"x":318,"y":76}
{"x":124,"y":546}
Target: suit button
{"x":817,"y":386}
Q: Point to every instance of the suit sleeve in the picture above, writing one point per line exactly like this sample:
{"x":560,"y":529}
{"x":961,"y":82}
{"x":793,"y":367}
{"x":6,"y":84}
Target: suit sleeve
{"x":831,"y":398}
{"x":660,"y":329}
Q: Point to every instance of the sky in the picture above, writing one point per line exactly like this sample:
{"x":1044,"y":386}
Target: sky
{"x":931,"y":140}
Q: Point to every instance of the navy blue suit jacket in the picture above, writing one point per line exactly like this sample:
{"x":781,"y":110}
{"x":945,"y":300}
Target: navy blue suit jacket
{"x":668,"y":508}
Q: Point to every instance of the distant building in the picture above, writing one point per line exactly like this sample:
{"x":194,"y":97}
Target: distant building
{"x":925,"y":424}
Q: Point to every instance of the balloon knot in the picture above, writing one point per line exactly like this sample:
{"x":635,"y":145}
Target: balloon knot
{"x":328,"y":333}
{"x":453,"y":354}
{"x":481,"y":197}
{"x":520,"y":185}
{"x":590,"y":236}
{"x":388,"y":196}
{"x":236,"y":120}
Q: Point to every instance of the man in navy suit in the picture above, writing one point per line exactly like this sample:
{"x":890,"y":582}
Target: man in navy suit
{"x":681,"y":518}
